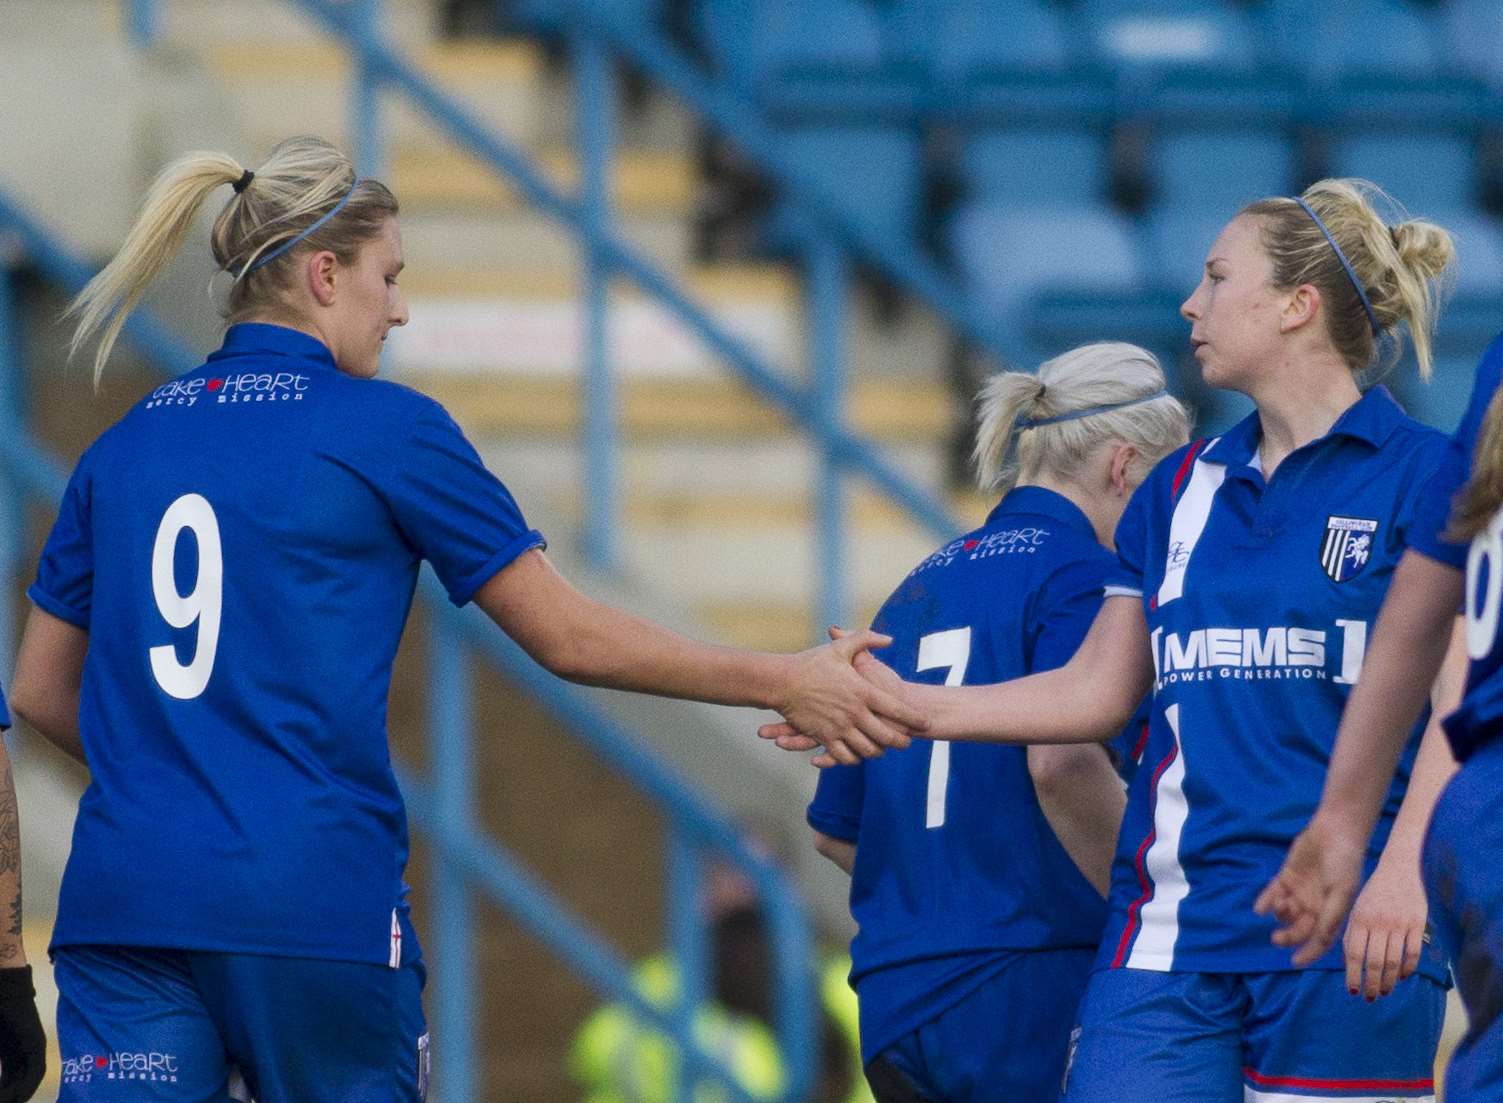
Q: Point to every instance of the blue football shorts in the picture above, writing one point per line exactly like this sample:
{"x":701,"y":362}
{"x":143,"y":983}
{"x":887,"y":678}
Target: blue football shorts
{"x":1290,"y":1037}
{"x":199,"y":1027}
{"x":1464,"y":882}
{"x":1003,"y":1043}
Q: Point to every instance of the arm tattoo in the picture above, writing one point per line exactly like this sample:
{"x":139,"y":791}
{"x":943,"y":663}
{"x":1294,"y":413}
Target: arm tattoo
{"x":10,"y":864}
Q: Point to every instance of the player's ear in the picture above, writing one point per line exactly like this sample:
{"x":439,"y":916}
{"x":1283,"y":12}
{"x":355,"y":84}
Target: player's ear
{"x":1119,"y":472}
{"x":1303,"y":302}
{"x":321,"y":270}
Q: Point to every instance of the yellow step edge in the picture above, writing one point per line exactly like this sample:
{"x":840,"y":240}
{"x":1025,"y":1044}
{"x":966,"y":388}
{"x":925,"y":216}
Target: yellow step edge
{"x":456,"y":62}
{"x":709,"y":408}
{"x":772,"y":626}
{"x":641,"y":182}
{"x":716,"y":283}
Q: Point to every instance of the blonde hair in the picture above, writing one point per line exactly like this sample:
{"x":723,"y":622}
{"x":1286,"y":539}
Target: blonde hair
{"x":302,"y":181}
{"x":1105,"y":376}
{"x":1480,"y":499}
{"x":1398,"y":266}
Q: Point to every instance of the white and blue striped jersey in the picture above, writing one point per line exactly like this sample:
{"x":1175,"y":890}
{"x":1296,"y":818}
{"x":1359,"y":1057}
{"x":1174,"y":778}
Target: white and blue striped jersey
{"x":1259,"y":596}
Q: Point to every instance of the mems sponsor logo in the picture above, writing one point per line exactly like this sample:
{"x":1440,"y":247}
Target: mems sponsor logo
{"x":123,"y":1065}
{"x":223,"y":390}
{"x":1019,"y":541}
{"x":1281,"y":652}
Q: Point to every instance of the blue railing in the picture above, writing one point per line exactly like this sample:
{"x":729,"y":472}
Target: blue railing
{"x":816,"y":408}
{"x":443,"y":807}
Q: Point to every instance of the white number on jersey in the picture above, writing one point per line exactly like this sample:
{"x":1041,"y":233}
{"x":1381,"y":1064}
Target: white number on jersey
{"x":951,"y":650}
{"x":1482,"y":622}
{"x":202,"y":604}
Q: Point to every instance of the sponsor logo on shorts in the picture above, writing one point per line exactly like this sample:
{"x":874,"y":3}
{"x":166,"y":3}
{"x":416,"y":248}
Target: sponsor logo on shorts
{"x":121,"y":1065}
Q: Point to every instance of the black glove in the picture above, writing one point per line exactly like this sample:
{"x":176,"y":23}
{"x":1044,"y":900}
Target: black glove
{"x":23,"y":1046}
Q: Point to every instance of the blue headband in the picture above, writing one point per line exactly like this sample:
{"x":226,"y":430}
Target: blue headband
{"x":1073,"y":415}
{"x":279,"y":250}
{"x":1350,"y":272}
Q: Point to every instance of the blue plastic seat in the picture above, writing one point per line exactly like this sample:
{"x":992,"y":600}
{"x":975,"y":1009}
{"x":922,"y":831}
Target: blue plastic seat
{"x":1007,"y":253}
{"x":876,"y":171}
{"x":1440,"y":402}
{"x":1424,"y":172}
{"x":1035,"y":166}
{"x":1479,"y":251}
{"x":1327,"y":41}
{"x":1220,"y":170}
{"x":753,"y":41}
{"x":1179,"y":241}
{"x":1473,"y":36}
{"x":1169,"y":33}
{"x":987,"y":36}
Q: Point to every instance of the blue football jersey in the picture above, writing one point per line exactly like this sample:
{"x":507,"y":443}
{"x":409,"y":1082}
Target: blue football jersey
{"x":1480,"y":715}
{"x":956,"y":866}
{"x":242,"y":549}
{"x":1259,"y":596}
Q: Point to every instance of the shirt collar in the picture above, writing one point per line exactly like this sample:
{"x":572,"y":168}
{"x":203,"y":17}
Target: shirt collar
{"x":260,"y":338}
{"x":1046,"y":503}
{"x":1371,"y":419}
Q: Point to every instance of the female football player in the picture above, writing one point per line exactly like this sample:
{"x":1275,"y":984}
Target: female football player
{"x":979,"y":873}
{"x":1314,"y":889}
{"x":216,"y":613}
{"x":1250,"y":568}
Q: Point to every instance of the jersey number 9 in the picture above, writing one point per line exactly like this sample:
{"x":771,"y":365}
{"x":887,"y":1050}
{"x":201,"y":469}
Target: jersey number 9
{"x":203,"y":603}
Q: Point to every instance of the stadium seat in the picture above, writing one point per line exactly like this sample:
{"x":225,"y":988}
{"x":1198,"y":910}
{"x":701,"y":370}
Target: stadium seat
{"x":876,"y":170}
{"x":1479,"y":250}
{"x":1473,"y":37}
{"x":753,"y":42}
{"x":1168,"y":33}
{"x":1326,"y":42}
{"x":974,"y":36}
{"x":1219,"y":170}
{"x":1424,"y":172}
{"x":1006,"y":253}
{"x":1034,"y":166}
{"x":1440,"y":402}
{"x":1179,"y":239}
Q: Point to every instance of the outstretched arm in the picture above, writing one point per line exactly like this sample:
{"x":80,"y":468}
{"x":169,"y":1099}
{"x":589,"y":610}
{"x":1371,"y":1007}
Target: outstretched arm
{"x":1313,"y":892}
{"x":587,"y":641}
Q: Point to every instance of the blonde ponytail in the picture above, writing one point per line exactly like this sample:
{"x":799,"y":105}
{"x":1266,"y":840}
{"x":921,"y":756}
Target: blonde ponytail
{"x":303,"y":198}
{"x":171,"y":206}
{"x":1399,"y":268}
{"x":1116,"y":392}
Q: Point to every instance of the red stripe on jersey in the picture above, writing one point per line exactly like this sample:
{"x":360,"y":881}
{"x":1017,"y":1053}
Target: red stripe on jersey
{"x":1338,"y":1085}
{"x":1141,"y":745}
{"x":1184,"y":467}
{"x":1140,"y":863}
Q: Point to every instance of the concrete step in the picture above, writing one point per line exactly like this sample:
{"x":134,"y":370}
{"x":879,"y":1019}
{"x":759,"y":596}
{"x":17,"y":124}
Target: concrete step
{"x":206,"y":24}
{"x":303,"y":87}
{"x":437,"y":239}
{"x":703,"y":409}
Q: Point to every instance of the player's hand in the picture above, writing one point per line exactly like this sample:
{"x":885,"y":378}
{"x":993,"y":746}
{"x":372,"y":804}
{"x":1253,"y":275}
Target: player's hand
{"x":1312,"y":893}
{"x":1387,"y":929}
{"x":830,"y":705}
{"x":23,"y":1046}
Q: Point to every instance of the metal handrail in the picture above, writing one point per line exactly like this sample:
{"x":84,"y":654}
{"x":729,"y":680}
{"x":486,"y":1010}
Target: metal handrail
{"x":443,"y":807}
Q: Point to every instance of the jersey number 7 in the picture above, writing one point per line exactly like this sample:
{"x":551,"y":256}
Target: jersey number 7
{"x":950,"y":651}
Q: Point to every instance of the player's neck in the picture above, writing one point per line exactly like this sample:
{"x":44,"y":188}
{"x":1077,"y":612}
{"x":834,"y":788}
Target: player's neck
{"x":1302,"y":410}
{"x":1102,"y":516}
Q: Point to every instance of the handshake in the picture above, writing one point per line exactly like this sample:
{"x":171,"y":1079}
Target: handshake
{"x":841,"y":699}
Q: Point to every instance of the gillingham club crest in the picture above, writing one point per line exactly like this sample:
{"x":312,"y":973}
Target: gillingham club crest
{"x":1347,"y":546}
